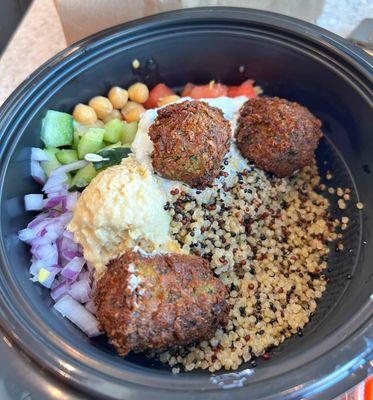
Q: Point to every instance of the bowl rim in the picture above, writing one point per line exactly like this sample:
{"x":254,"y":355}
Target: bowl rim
{"x":52,"y":353}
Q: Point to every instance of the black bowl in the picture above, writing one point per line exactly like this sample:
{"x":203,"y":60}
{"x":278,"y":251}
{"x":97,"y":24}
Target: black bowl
{"x":288,"y":58}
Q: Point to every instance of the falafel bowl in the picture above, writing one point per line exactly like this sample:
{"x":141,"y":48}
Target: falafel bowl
{"x":192,"y":227}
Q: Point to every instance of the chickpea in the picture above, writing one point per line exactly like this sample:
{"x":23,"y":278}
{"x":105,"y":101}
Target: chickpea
{"x":98,"y":124}
{"x":132,"y":111}
{"x":138,"y":92}
{"x":168,"y":99}
{"x":115,"y":114}
{"x":101,"y":105}
{"x":84,"y":114}
{"x":118,"y":97}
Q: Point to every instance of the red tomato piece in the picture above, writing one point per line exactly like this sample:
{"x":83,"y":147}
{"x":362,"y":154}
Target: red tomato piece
{"x":368,"y":392}
{"x":187,"y":89}
{"x":158,"y":92}
{"x":245,"y":89}
{"x":208,"y":91}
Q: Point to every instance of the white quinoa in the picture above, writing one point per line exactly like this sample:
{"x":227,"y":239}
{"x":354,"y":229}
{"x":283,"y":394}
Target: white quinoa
{"x":267,"y":240}
{"x":341,"y":204}
{"x":360,"y":205}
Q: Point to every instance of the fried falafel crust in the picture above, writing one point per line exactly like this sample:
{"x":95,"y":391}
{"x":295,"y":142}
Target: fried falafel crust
{"x":159,"y":302}
{"x":279,"y":136}
{"x":190,"y":141}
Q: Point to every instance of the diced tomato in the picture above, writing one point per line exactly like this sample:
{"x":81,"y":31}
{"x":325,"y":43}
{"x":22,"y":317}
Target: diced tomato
{"x":368,"y":392}
{"x":187,"y":90}
{"x":245,"y":89}
{"x":159,"y":91}
{"x":208,"y":91}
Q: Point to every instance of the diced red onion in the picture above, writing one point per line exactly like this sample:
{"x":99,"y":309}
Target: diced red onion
{"x":62,"y":190}
{"x":55,"y":183}
{"x":52,"y":202}
{"x":61,"y":289}
{"x":44,"y":251}
{"x":40,"y":217}
{"x":72,"y":269}
{"x":70,"y":167}
{"x":90,"y":267}
{"x":65,"y":217}
{"x":26,"y":235}
{"x":63,"y":204}
{"x":38,"y":154}
{"x":80,"y":291}
{"x":67,"y":234}
{"x":76,"y":313}
{"x":33,"y":202}
{"x":53,"y":271}
{"x":67,"y":244}
{"x":85,"y":275}
{"x":48,"y":233}
{"x":91,"y":307}
{"x":55,"y":283}
{"x":69,"y":255}
{"x":57,"y":261}
{"x":35,"y":267}
{"x":71,"y":199}
{"x":41,"y":224}
{"x":45,"y":236}
{"x":37,"y":172}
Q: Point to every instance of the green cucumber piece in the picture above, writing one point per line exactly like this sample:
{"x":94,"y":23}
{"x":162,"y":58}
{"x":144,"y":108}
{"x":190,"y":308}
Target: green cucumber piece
{"x":114,"y":131}
{"x":76,"y":139}
{"x":112,"y":146}
{"x":52,"y":163}
{"x":91,"y":141}
{"x":67,"y":156}
{"x":83,"y":177}
{"x":57,"y":129}
{"x":129,"y":132}
{"x":114,"y":156}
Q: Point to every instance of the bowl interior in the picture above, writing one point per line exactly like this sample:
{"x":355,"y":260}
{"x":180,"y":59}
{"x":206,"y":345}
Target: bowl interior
{"x":282,"y":67}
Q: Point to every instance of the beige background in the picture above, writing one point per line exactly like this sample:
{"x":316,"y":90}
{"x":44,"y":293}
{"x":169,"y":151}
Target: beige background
{"x":81,"y":18}
{"x":41,"y":35}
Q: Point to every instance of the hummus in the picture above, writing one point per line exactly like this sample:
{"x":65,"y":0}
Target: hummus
{"x":121,"y":209}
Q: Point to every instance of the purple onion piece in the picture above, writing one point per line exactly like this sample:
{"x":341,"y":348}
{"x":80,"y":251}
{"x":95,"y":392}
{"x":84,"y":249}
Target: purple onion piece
{"x":76,"y":313}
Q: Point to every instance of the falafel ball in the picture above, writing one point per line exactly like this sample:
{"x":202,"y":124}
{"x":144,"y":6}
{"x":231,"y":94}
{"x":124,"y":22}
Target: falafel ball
{"x":190,"y":140}
{"x":159,"y":302}
{"x":278,"y":135}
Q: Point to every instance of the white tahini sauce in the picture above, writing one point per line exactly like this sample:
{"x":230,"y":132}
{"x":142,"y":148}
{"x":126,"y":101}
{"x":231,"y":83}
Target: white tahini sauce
{"x":142,"y":146}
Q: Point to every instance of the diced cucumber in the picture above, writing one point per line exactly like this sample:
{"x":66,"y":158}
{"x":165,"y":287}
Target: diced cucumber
{"x":57,"y":129}
{"x":91,"y":141}
{"x":52,"y":163}
{"x":67,"y":156}
{"x":82,"y":129}
{"x":83,"y":176}
{"x":114,"y":131}
{"x":76,"y":139}
{"x":129,"y":132}
{"x":112,"y":146}
{"x":111,"y":157}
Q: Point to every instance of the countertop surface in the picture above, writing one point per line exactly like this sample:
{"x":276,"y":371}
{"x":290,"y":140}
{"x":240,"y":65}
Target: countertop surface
{"x":40,"y":34}
{"x":38,"y":38}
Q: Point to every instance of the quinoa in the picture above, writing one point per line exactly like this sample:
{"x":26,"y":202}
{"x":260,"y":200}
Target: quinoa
{"x":267,"y":240}
{"x":360,"y":205}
